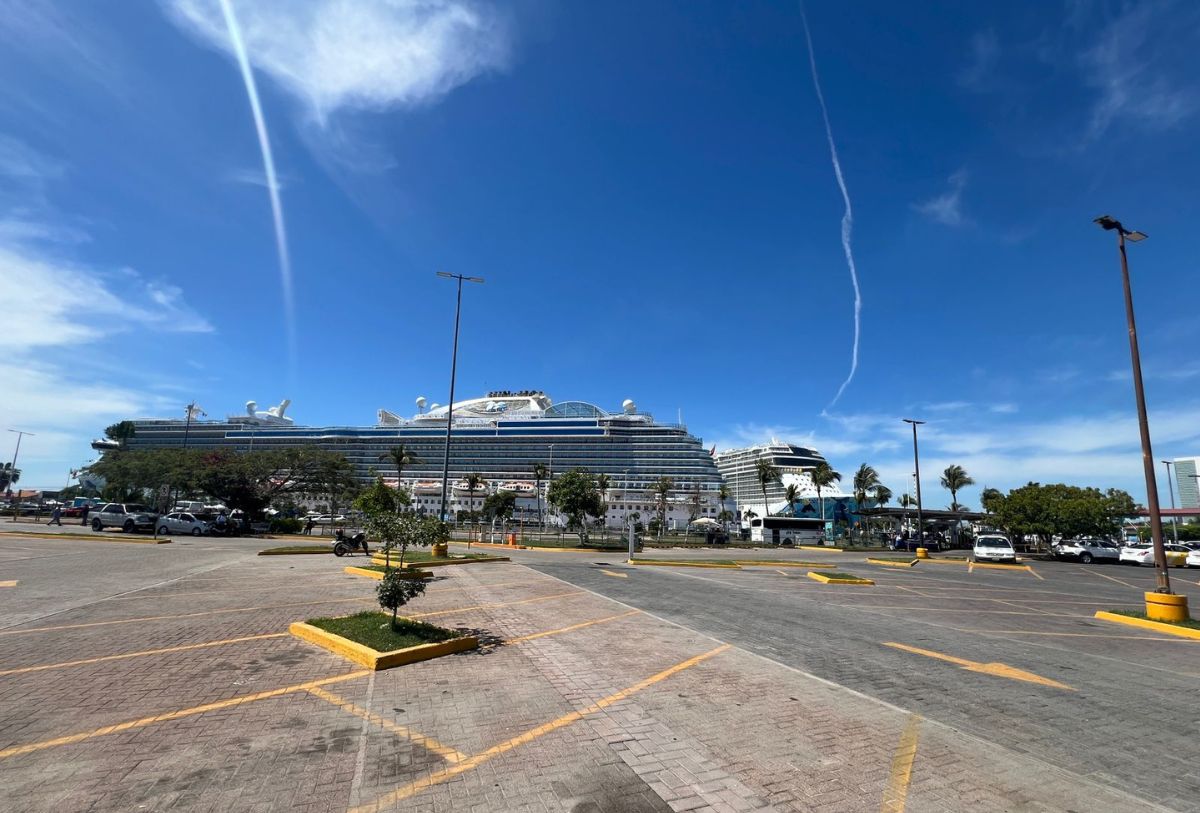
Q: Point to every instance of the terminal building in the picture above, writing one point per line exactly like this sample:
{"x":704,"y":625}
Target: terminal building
{"x":501,"y":436}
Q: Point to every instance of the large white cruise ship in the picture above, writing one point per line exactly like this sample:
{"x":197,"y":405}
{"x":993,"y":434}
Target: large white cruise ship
{"x":795,"y":464}
{"x":501,"y":436}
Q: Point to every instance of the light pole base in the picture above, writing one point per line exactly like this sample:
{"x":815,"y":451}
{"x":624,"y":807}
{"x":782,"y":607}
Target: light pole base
{"x":1166,"y":607}
{"x":922,"y":553}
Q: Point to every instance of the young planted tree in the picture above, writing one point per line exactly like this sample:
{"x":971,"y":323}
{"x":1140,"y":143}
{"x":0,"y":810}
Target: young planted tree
{"x":395,"y":590}
{"x":823,"y":476}
{"x":767,"y":473}
{"x":475,"y":482}
{"x":402,"y":531}
{"x":661,"y":489}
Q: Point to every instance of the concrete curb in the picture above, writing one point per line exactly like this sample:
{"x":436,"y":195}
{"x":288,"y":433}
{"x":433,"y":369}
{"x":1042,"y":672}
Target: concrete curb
{"x":823,"y":579}
{"x":269,"y":552}
{"x":101,"y":537}
{"x":826,"y":548}
{"x":730,"y":566}
{"x":378,"y":574}
{"x":891,"y":562}
{"x":769,"y":563}
{"x":1157,"y":626}
{"x":379,"y":660}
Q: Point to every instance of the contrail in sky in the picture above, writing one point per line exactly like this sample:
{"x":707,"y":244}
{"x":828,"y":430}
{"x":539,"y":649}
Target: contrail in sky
{"x":264,"y":143}
{"x":847,"y":217}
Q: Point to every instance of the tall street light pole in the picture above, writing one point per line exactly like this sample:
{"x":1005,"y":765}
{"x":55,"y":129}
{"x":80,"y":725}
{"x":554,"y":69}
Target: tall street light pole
{"x":1171,"y":491}
{"x":13,"y":468}
{"x":917,"y":468}
{"x":1163,"y":581}
{"x":453,"y":372}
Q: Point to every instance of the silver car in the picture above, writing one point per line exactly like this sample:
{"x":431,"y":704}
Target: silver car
{"x":1088,"y":551}
{"x":181,"y":522}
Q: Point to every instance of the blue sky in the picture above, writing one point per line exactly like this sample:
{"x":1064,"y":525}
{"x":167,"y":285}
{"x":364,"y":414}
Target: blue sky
{"x":648,"y":190}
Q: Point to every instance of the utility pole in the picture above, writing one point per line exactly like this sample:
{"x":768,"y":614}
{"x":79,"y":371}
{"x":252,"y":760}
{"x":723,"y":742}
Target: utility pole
{"x":917,"y":475}
{"x":13,"y":469}
{"x":453,"y":372}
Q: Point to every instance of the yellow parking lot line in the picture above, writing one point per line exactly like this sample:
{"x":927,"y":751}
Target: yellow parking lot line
{"x":895,"y":795}
{"x":996,"y":669}
{"x":614,"y":574}
{"x":428,"y":743}
{"x":532,"y":734}
{"x":142,"y":654}
{"x":9,"y":583}
{"x":181,"y":615}
{"x":1110,"y":578}
{"x":571,"y":628}
{"x":17,"y":750}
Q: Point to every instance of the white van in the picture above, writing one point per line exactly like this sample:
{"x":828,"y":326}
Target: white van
{"x":994,"y":548}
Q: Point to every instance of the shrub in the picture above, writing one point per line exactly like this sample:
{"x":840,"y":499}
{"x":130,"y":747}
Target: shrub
{"x":285,"y":525}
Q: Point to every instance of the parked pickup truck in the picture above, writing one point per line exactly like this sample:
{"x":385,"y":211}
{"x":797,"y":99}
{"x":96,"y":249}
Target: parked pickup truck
{"x":129,"y":517}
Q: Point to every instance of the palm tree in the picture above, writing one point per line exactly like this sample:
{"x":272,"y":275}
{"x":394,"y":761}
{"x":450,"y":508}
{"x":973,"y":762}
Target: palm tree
{"x":792,"y":494}
{"x":906,"y":502}
{"x":767,"y":473}
{"x":883,"y":495}
{"x":953,"y":479}
{"x":539,"y":474}
{"x":661,"y":488}
{"x":723,"y":495}
{"x":824,"y":476}
{"x":603,"y":483}
{"x":865,"y":479}
{"x":474,"y":480}
{"x":399,"y":456}
{"x":8,"y":476}
{"x":990,"y":499}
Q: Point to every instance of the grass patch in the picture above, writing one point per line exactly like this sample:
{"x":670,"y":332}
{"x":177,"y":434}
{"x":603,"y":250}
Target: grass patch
{"x":293,"y":550}
{"x":1191,"y":623}
{"x":836,"y":574}
{"x":373,"y":629}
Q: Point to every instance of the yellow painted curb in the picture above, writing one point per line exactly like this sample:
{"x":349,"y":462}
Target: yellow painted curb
{"x":932,"y":561}
{"x":828,"y":548}
{"x":730,"y":566}
{"x":269,"y":552}
{"x":493,"y":545}
{"x":379,"y":660}
{"x":378,"y":574}
{"x":773,"y":563}
{"x":1157,"y":626}
{"x":823,"y":579}
{"x":997,"y":566}
{"x":891,"y":562}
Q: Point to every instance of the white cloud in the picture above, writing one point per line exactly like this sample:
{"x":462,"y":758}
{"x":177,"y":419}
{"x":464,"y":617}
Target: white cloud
{"x":359,"y":54}
{"x":985,"y":52}
{"x":946,"y":208}
{"x":1126,"y":67}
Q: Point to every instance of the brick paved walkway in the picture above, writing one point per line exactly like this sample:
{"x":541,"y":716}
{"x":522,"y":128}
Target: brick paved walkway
{"x":573,"y":703}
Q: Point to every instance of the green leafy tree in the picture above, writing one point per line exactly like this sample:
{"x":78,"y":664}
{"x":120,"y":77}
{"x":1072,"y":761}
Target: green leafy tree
{"x":379,"y":497}
{"x":121,"y":432}
{"x":661,"y":490}
{"x":539,"y":474}
{"x":883,"y":495}
{"x":864,"y":482}
{"x":400,"y":456}
{"x":500,"y":505}
{"x":395,"y":590}
{"x":399,"y":532}
{"x":767,"y":473}
{"x":990,"y":499}
{"x":8,"y":476}
{"x":723,"y":496}
{"x":575,"y":494}
{"x":823,"y":476}
{"x":1046,"y":511}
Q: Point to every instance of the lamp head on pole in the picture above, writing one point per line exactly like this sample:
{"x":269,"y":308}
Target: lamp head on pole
{"x":912,"y":421}
{"x":1110,"y":223}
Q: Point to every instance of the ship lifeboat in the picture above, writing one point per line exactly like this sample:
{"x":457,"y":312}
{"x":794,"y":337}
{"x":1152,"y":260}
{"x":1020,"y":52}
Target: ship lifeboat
{"x":520,"y":488}
{"x":427,"y":487}
{"x":460,"y":487}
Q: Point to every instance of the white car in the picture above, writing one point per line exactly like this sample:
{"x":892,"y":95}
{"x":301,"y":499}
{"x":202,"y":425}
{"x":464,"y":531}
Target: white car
{"x":1193,"y":558}
{"x":324,"y":519}
{"x":1143,"y":554}
{"x":1086,"y":550}
{"x":181,"y":522}
{"x":994,"y":548}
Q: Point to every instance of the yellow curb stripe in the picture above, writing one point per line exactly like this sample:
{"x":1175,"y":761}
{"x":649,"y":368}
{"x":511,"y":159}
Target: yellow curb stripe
{"x":428,"y":743}
{"x":614,"y":574}
{"x":1157,"y":626}
{"x":1075,"y":635}
{"x":896,"y":794}
{"x":532,"y":734}
{"x":181,"y":615}
{"x":995,"y":669}
{"x":571,"y":628}
{"x":174,"y":715}
{"x":142,"y":654}
{"x":9,"y":583}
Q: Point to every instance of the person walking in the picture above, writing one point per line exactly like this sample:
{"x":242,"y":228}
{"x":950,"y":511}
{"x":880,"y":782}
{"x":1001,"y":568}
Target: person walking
{"x":87,"y":509}
{"x":55,"y":517}
{"x":308,"y":526}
